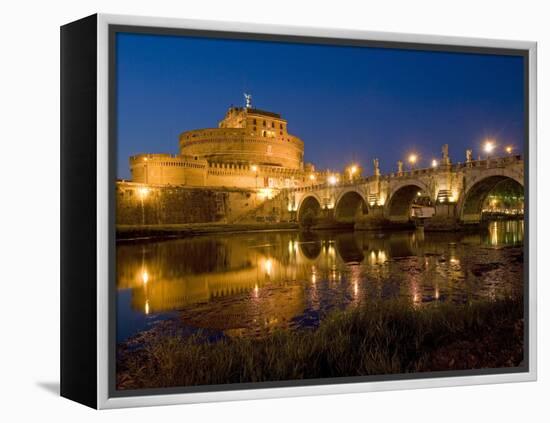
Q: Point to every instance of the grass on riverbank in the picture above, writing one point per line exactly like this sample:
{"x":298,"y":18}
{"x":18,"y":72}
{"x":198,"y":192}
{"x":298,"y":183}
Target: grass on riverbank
{"x":379,"y":339}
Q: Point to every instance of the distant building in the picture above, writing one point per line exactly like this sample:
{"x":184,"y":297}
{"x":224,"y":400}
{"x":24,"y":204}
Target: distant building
{"x":250,"y":148}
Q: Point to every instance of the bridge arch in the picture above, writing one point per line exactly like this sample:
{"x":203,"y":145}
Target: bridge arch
{"x":309,"y":207}
{"x":349,"y":206}
{"x":401,"y":198}
{"x":476,"y":192}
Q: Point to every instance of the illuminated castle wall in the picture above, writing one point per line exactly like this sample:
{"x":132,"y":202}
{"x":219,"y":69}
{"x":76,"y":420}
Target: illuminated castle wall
{"x":251,"y":148}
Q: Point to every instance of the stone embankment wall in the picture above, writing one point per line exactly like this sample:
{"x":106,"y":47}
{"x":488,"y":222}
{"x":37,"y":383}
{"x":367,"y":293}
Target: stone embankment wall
{"x":137,"y":204}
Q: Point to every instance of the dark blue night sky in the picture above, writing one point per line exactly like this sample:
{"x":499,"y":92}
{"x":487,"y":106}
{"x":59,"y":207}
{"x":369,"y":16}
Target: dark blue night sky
{"x":346,"y":103}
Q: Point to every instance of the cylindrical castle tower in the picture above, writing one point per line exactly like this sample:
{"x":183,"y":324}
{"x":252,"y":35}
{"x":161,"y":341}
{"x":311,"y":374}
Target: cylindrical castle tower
{"x":246,"y":136}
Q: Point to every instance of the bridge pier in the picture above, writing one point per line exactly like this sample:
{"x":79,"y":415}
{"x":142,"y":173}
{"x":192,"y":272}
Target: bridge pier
{"x":375,"y":219}
{"x":327,"y":220}
{"x":444,"y":219}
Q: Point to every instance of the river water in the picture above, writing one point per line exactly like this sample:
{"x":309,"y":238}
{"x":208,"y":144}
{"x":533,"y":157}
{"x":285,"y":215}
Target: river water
{"x":252,"y":283}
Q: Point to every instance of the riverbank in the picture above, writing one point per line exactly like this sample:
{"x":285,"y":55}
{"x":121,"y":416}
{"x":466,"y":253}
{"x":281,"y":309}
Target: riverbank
{"x":153,"y":232}
{"x":159,"y":232}
{"x":381,"y":338}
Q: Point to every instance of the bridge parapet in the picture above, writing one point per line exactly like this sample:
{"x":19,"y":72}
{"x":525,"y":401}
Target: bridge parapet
{"x":450,"y":189}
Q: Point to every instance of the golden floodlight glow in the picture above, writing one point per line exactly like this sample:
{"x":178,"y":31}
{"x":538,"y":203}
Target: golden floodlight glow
{"x":332,"y":180}
{"x":434,"y":163}
{"x":509,"y":149}
{"x":145,"y":277}
{"x":312,"y":177}
{"x":353,"y":169}
{"x":413,"y":158}
{"x":254,"y":168}
{"x":143,"y":192}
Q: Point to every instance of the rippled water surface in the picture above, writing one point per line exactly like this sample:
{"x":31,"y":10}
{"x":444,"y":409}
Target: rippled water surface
{"x":246,"y":284}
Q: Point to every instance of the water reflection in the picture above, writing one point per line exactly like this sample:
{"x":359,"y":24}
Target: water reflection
{"x":247,"y":284}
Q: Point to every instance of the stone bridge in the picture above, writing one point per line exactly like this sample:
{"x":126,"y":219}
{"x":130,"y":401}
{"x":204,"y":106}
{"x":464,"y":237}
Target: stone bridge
{"x":456,"y":193}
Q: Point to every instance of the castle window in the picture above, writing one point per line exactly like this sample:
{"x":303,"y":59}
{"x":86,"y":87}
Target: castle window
{"x":254,"y":129}
{"x":281,"y":126}
{"x":273,"y":124}
{"x":265,"y":123}
{"x":264,"y":133}
{"x":254,"y":121}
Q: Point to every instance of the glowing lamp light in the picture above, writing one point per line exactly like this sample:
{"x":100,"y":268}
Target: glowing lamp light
{"x":509,"y":149}
{"x":145,"y":277}
{"x":266,"y":193}
{"x":312,"y":177}
{"x":434,"y":163}
{"x":413,"y":158}
{"x":254,"y":168}
{"x":489,"y":146}
{"x":332,"y":180}
{"x":143,"y":192}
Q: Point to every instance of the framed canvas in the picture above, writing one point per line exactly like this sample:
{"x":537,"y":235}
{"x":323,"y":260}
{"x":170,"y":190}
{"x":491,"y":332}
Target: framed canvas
{"x":254,"y":211}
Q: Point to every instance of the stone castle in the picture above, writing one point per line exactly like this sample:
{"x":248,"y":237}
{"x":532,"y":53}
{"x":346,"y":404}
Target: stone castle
{"x":250,"y":149}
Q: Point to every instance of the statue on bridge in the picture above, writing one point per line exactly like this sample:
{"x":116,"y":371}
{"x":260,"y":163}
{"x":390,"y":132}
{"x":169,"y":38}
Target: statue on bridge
{"x":399,"y":166}
{"x":468,"y":156}
{"x":445,"y":154}
{"x":376,"y":163}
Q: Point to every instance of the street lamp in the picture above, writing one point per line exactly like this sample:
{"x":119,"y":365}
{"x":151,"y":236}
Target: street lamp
{"x":509,"y":149}
{"x":413,"y":158}
{"x":434,"y":163}
{"x":352,"y":171}
{"x":332,"y":180}
{"x":312,"y":177}
{"x":489,"y":147}
{"x":143,"y":192}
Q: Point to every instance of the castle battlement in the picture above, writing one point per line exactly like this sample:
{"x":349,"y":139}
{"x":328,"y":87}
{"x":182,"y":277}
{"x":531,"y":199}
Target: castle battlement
{"x":250,"y":148}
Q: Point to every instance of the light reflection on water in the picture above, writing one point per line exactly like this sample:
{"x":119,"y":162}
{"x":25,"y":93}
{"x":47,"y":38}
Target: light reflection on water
{"x":245,"y":284}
